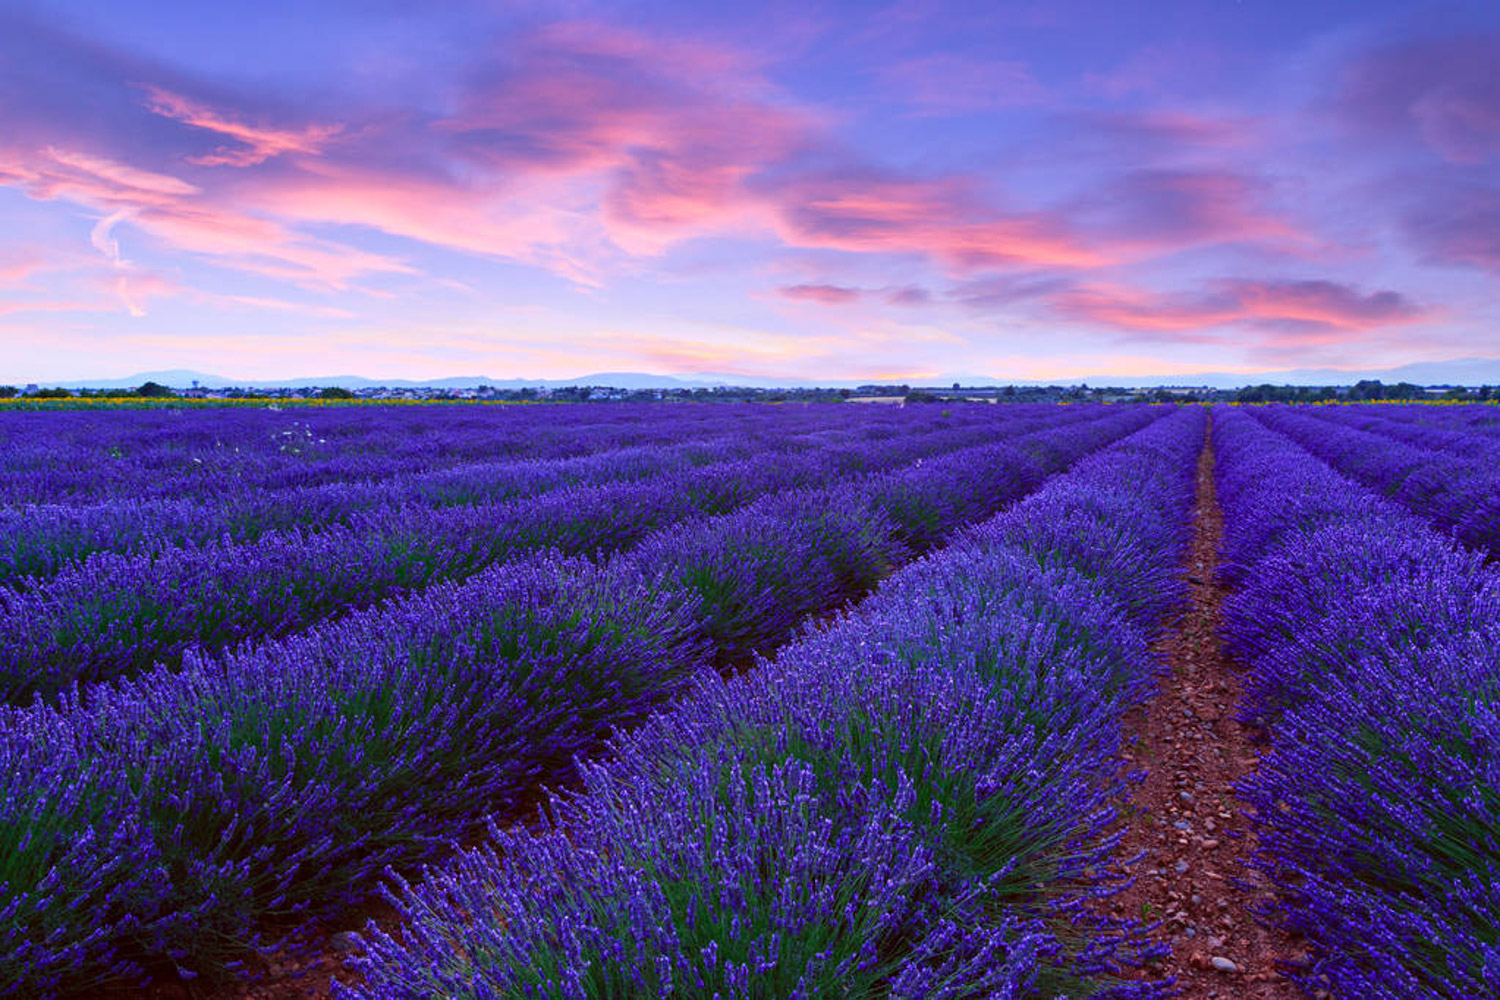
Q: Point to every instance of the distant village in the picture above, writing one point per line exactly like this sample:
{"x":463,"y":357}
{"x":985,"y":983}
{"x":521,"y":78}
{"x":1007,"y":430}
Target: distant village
{"x":894,"y":394}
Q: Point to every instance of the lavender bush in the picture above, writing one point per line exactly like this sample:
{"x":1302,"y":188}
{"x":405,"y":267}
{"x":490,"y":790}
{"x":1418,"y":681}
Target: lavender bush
{"x":1458,"y":493}
{"x":1374,"y":645}
{"x":264,"y":789}
{"x":908,"y":801}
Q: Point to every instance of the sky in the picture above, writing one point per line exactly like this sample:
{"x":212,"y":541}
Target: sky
{"x":884,"y":191}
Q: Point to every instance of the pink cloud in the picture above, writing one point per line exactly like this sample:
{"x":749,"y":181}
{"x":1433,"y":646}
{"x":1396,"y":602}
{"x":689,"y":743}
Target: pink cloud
{"x":828,"y":295}
{"x":283,"y":305}
{"x":670,"y":129}
{"x":256,"y":144}
{"x":910,"y":295}
{"x":17,"y":266}
{"x":943,"y":219}
{"x":1303,"y":311}
{"x":60,"y":173}
{"x":184,"y":216}
{"x":1148,"y":210}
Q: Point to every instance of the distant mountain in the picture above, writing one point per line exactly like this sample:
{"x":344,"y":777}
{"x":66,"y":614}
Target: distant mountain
{"x":1463,"y":371}
{"x":183,"y":378}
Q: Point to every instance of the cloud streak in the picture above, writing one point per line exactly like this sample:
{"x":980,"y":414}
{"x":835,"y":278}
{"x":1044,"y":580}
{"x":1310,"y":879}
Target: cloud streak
{"x":254,"y":145}
{"x":1282,"y":311}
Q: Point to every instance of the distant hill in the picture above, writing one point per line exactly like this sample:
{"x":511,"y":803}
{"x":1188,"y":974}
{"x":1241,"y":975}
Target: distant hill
{"x":1463,"y":371}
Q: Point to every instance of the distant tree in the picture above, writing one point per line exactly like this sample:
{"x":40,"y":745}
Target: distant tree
{"x":1405,"y":390}
{"x":334,"y":392}
{"x":1263,"y":393}
{"x":921,"y":396}
{"x":154,"y":390}
{"x":9,"y":392}
{"x":56,"y":392}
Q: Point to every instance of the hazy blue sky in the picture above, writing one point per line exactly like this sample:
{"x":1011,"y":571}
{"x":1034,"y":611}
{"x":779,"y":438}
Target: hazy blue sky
{"x":1039,"y":190}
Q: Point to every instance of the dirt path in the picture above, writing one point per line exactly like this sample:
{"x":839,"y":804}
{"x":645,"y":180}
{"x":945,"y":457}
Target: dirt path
{"x":1184,"y":817}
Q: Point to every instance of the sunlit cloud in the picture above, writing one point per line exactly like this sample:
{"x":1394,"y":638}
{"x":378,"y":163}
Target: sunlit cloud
{"x":254,"y":144}
{"x":18,"y":266}
{"x":944,"y":219}
{"x":828,"y":295}
{"x":1146,"y":210}
{"x":1298,"y":310}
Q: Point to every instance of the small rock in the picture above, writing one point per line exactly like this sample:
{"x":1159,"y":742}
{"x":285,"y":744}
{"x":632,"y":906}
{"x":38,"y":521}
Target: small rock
{"x":1180,"y":867}
{"x":1210,"y":844}
{"x":343,"y":941}
{"x":1223,"y":964}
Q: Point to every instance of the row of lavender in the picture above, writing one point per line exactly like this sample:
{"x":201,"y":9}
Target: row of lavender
{"x":114,"y":614}
{"x":1448,"y":475}
{"x":174,"y":819}
{"x":909,"y":802}
{"x":89,"y":456}
{"x":38,"y":540}
{"x":81,"y":457}
{"x":1456,"y":429}
{"x":1478,"y":419}
{"x":1374,"y":646}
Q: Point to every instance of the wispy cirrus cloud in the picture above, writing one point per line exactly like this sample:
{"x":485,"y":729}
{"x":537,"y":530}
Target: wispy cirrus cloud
{"x":182,"y":215}
{"x":19,"y":265}
{"x":254,"y":144}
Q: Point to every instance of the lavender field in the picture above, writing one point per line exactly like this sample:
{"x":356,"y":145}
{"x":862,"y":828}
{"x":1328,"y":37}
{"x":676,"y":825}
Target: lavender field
{"x":742,"y":701}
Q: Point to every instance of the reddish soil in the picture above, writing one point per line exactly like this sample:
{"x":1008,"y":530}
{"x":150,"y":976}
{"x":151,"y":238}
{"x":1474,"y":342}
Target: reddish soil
{"x":1184,"y":818}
